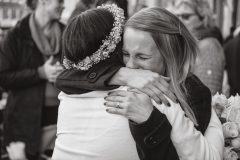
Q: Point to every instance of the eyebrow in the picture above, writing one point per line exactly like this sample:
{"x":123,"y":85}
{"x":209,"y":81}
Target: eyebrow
{"x":137,"y":53}
{"x":142,"y":54}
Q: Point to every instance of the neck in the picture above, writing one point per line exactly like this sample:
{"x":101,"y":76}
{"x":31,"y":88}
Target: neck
{"x":42,"y":18}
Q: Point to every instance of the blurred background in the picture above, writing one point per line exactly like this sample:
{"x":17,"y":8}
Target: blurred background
{"x":226,"y":12}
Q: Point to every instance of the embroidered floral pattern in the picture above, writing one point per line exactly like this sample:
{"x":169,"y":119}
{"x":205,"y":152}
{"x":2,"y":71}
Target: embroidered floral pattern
{"x":109,"y":44}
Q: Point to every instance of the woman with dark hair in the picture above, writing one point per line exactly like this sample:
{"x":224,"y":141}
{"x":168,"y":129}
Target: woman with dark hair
{"x":84,"y":129}
{"x":171,"y":50}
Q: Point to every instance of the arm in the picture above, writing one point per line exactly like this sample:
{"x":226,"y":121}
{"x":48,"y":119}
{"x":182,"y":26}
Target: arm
{"x":153,"y":138}
{"x":109,"y":74}
{"x":149,"y":127}
{"x":11,"y":77}
{"x":96,"y":78}
{"x":184,"y":135}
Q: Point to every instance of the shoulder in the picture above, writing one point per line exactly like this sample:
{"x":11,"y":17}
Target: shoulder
{"x":21,"y":29}
{"x":196,"y":87}
{"x":210,"y":44}
{"x":199,"y":97}
{"x":211,"y":53}
{"x":23,"y":24}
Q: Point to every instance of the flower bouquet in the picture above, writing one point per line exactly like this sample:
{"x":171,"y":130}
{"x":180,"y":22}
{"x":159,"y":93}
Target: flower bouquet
{"x":228,"y":111}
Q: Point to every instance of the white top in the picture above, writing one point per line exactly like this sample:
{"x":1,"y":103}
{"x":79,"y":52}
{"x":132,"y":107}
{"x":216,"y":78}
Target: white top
{"x":190,"y":144}
{"x":85,"y":131}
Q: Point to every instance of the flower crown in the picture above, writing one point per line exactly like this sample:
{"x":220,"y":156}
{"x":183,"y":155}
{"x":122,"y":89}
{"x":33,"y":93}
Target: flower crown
{"x":109,"y":44}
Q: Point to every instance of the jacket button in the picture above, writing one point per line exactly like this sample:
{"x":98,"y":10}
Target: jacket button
{"x":92,"y":75}
{"x":153,"y":140}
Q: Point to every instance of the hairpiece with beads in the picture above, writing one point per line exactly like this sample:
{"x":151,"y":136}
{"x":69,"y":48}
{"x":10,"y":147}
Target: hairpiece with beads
{"x":108,"y":45}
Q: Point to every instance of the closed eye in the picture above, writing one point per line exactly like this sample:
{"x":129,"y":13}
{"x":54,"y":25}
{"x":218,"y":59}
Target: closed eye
{"x":143,"y":57}
{"x":125,"y":54}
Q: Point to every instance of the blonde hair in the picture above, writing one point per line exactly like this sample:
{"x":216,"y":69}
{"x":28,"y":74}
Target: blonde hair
{"x":176,"y":44}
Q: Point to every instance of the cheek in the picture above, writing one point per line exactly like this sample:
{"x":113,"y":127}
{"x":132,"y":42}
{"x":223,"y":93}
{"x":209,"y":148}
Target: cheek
{"x":158,"y":65}
{"x":125,"y":59}
{"x":153,"y":65}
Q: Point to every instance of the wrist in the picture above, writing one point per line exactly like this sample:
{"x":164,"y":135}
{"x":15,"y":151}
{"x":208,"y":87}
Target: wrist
{"x":41,"y":72}
{"x":146,"y":117}
{"x":119,"y":78}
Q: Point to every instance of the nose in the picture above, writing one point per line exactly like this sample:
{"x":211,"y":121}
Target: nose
{"x":131,"y":63}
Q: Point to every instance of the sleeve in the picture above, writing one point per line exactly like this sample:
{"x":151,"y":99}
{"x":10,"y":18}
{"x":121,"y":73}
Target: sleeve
{"x":153,"y":138}
{"x":184,"y":135}
{"x":11,"y":77}
{"x":74,"y":81}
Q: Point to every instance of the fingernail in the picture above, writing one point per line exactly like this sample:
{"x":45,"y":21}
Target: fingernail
{"x":107,"y":110}
{"x":105,"y":97}
{"x":104,"y":103}
{"x":160,"y":102}
{"x":168,"y":104}
{"x":109,"y":93}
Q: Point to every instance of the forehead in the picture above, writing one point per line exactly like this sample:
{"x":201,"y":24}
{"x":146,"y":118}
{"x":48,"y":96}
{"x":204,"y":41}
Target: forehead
{"x":136,"y":41}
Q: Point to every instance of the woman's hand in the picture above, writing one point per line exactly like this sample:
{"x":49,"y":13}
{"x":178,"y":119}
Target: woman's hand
{"x":134,"y":105}
{"x":148,"y":82}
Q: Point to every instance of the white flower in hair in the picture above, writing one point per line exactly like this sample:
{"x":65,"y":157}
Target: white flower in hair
{"x":109,"y":44}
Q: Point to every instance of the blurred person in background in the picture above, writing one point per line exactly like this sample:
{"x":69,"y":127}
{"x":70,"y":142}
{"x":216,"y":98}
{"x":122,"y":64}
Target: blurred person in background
{"x":82,"y":6}
{"x":120,"y":3}
{"x":210,"y":63}
{"x":29,"y":65}
{"x":140,"y":4}
{"x":231,"y":49}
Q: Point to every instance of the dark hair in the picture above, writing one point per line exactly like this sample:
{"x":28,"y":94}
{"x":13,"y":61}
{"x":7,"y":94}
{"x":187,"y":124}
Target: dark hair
{"x":120,"y":3}
{"x":84,"y":34}
{"x":88,"y":2}
{"x":32,"y":4}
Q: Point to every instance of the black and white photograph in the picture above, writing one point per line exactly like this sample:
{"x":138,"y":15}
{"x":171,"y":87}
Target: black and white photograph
{"x":119,"y":80}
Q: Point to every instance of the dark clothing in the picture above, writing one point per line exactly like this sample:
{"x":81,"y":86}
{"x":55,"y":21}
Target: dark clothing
{"x":19,"y":62}
{"x":213,"y":32}
{"x":96,"y":78}
{"x":200,"y":99}
{"x":232,"y":54}
{"x":153,"y":136}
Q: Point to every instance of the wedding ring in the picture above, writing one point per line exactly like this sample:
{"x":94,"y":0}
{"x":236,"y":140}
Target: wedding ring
{"x":118,"y":105}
